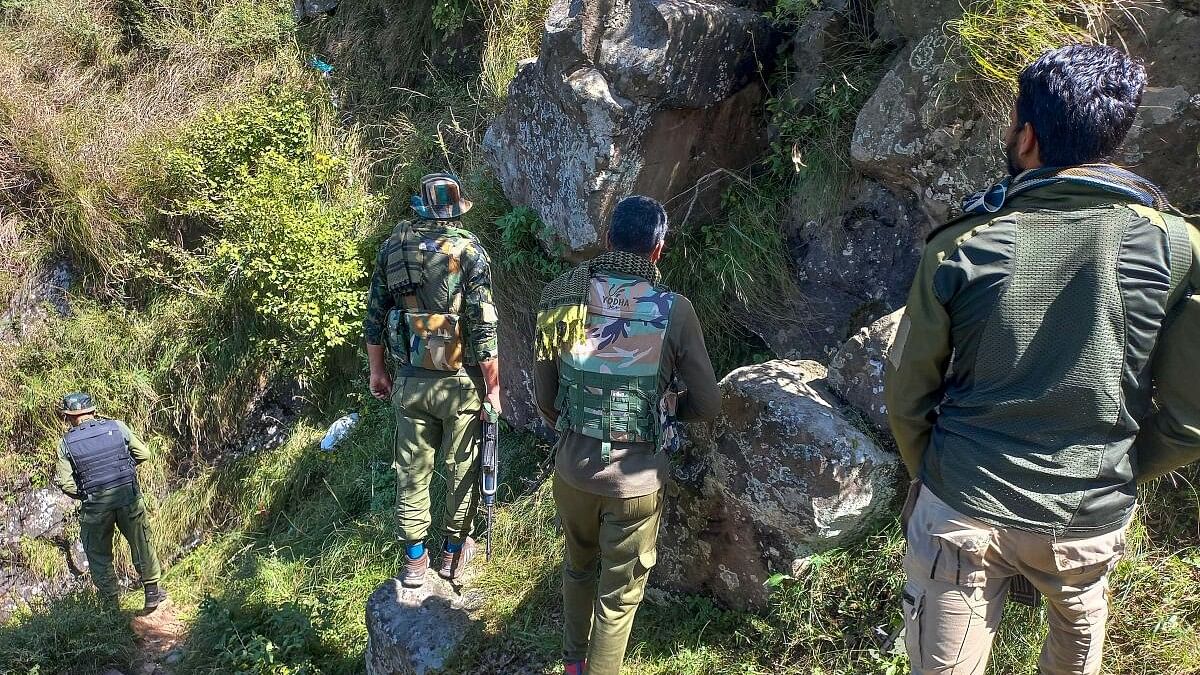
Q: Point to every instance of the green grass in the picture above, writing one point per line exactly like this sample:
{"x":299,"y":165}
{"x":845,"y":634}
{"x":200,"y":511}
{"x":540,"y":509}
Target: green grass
{"x":292,"y":540}
{"x":1000,"y":38}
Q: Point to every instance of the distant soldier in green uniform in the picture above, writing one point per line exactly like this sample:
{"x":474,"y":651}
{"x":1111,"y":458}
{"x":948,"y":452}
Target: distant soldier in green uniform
{"x":431,"y":302}
{"x":620,"y":359}
{"x":96,"y":465}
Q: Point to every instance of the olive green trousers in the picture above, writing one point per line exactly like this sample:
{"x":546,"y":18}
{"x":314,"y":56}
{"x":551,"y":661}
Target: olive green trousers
{"x":610,"y":551}
{"x":436,"y":416}
{"x":121,"y":509}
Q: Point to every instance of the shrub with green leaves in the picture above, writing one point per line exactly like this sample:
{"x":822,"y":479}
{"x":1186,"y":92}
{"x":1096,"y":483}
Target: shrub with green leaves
{"x":281,"y":220}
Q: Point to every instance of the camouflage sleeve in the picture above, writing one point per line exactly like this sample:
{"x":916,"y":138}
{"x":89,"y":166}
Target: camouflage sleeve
{"x":478,"y":305}
{"x":379,"y":302}
{"x":138,"y":449}
{"x":64,"y":476}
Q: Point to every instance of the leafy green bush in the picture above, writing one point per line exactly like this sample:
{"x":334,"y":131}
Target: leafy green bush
{"x":520,"y":246}
{"x":254,"y":639}
{"x":281,"y":220}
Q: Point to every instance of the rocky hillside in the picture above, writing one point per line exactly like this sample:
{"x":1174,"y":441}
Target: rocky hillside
{"x":191,"y":194}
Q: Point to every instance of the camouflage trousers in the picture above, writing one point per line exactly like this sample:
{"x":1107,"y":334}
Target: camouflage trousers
{"x":98,"y":523}
{"x":611,"y":547}
{"x":436,"y":417}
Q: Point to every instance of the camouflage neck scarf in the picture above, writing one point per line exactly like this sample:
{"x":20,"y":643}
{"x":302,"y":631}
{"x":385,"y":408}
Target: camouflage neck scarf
{"x":562,"y":310}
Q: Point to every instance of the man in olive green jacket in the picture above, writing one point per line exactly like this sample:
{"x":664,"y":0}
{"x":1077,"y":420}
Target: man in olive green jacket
{"x":611,"y":341}
{"x":96,"y":465}
{"x":1020,"y":385}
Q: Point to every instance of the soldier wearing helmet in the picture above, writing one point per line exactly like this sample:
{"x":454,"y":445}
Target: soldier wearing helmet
{"x":430,"y":307}
{"x":97,"y":461}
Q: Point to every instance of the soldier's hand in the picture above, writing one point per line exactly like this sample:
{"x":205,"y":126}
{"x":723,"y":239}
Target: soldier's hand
{"x":381,"y":386}
{"x":493,"y":400}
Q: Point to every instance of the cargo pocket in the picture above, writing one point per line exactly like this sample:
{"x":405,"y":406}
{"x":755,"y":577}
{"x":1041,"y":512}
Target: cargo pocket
{"x":913,"y":606}
{"x":960,"y":557}
{"x":470,"y":402}
{"x":1090,"y":556}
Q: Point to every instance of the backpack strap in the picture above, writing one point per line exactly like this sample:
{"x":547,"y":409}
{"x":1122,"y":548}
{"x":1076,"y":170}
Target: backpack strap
{"x":1182,"y":260}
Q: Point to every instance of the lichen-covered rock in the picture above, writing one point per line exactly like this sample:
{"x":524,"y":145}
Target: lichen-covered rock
{"x":35,"y":514}
{"x":920,"y":132}
{"x":780,"y":475}
{"x":412,"y":631}
{"x":629,"y":95}
{"x":914,"y":18}
{"x":923,"y":131}
{"x":856,"y":370}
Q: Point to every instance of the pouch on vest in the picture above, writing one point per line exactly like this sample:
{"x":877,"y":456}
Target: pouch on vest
{"x":434,"y":340}
{"x":426,"y":263}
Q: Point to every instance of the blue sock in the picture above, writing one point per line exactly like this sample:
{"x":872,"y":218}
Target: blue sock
{"x":415,"y":551}
{"x":453,"y":548}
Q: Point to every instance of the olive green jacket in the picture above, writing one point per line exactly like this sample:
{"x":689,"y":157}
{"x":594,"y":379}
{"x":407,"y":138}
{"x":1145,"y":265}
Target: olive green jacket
{"x":1019,"y":388}
{"x":64,"y":473}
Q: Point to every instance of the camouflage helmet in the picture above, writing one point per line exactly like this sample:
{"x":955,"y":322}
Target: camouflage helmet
{"x":77,"y":403}
{"x":441,"y":197}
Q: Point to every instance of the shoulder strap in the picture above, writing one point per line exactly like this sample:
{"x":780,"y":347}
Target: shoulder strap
{"x":1179,"y":245}
{"x":1182,"y":260}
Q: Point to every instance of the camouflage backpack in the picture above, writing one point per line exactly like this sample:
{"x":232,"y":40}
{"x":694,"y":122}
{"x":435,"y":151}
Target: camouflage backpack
{"x":426,"y":261}
{"x":608,"y":383}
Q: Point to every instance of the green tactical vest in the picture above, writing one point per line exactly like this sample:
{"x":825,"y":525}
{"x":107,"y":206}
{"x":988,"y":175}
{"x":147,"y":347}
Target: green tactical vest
{"x":424,"y":272}
{"x":608,"y":384}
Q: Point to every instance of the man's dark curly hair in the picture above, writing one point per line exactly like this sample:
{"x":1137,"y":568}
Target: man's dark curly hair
{"x":1081,"y":100}
{"x":638,"y":224}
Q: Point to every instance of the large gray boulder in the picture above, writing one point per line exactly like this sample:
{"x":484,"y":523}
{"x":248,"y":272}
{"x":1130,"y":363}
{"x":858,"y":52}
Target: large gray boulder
{"x":779,"y":476}
{"x":1164,"y":144}
{"x":921,"y":133}
{"x":856,"y":370}
{"x":926,"y":132}
{"x":851,"y":267}
{"x":412,"y":631}
{"x":35,"y":514}
{"x":651,"y":96}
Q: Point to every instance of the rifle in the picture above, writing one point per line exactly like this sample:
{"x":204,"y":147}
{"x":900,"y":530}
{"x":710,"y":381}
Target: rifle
{"x":489,"y":469}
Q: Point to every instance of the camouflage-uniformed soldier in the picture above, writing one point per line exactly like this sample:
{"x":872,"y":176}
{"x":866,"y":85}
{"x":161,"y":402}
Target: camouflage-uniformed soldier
{"x":611,"y":341}
{"x":96,"y":465}
{"x":431,"y":303}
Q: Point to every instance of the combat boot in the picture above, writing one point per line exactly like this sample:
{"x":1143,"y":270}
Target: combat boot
{"x":455,"y":564}
{"x":155,"y":596}
{"x":414,"y":571}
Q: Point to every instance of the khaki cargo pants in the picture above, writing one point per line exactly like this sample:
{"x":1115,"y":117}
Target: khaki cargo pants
{"x":436,"y":416}
{"x":97,"y":530}
{"x":959,"y":569}
{"x":610,"y":551}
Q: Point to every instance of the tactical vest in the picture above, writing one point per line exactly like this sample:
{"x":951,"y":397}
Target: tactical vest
{"x":426,"y":262}
{"x":99,"y":456}
{"x":608,"y":384}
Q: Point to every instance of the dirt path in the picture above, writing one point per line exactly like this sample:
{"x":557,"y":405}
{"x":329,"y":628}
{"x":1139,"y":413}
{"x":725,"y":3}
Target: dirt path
{"x":160,"y":635}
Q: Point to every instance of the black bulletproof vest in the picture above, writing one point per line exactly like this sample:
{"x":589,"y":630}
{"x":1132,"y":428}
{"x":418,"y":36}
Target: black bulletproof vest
{"x":100,"y":456}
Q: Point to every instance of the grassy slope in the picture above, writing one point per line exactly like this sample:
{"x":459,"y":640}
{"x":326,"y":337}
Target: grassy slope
{"x":298,"y":539}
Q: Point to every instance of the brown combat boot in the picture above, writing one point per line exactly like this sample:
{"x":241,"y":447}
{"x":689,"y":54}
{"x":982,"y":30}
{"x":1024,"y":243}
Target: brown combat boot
{"x":414,"y":571}
{"x":455,"y":564}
